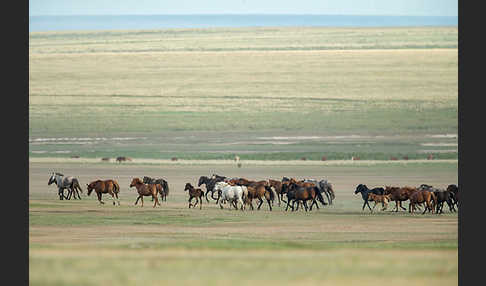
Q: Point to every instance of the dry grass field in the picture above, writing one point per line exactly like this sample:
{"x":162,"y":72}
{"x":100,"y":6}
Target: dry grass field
{"x":84,"y":243}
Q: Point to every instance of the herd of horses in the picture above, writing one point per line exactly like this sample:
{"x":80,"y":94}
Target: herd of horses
{"x":239,"y":193}
{"x":426,"y":196}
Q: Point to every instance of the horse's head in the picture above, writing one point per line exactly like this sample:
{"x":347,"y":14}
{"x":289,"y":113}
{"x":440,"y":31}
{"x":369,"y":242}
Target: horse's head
{"x":52,"y":179}
{"x":146,"y":179}
{"x":90,"y":187}
{"x":202,"y":180}
{"x":188,"y":187}
{"x":135,"y":181}
{"x":360,"y":188}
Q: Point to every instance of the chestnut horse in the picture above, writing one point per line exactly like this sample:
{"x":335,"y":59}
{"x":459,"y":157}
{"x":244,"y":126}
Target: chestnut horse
{"x":105,"y":187}
{"x":145,"y":190}
{"x":399,"y":195}
{"x":420,"y":197}
{"x":161,"y":184}
{"x":194,"y":193}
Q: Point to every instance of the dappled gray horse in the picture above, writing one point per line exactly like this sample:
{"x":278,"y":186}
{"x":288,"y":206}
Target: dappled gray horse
{"x":324,"y":187}
{"x":70,"y":183}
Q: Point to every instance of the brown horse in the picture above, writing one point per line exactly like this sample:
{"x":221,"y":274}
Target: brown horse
{"x":194,"y":193}
{"x":420,"y":197}
{"x":384,"y":199}
{"x":145,"y":190}
{"x":277,"y":187}
{"x":105,"y":187}
{"x":259,"y":191}
{"x":399,"y":195}
{"x":302,"y":194}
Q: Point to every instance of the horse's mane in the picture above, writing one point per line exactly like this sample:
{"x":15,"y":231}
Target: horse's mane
{"x":59,"y":174}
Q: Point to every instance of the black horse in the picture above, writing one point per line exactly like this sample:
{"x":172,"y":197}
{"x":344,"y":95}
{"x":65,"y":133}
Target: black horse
{"x":363,"y":189}
{"x":210,"y":183}
{"x":162,"y":182}
{"x":455,"y":193}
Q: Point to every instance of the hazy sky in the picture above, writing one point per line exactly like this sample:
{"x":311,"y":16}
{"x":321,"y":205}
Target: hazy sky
{"x":334,"y":7}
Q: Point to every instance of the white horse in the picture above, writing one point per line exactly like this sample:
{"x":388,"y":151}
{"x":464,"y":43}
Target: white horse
{"x":232,"y":194}
{"x":70,"y":183}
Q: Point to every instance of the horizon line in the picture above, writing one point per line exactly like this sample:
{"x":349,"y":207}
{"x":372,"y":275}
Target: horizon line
{"x":245,"y":14}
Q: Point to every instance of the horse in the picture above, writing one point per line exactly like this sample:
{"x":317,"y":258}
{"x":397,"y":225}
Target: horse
{"x":122,"y":159}
{"x":277,"y":188}
{"x":70,"y":183}
{"x":194,"y":193}
{"x":384,"y":199}
{"x":161,"y":184}
{"x":259,"y":191}
{"x":299,"y":193}
{"x":104,"y":187}
{"x":324,"y":187}
{"x":210,"y":182}
{"x":363,"y":189}
{"x":145,"y":190}
{"x":399,"y":195}
{"x":231,"y":194}
{"x":442,"y":196}
{"x":455,"y":191}
{"x":422,"y":196}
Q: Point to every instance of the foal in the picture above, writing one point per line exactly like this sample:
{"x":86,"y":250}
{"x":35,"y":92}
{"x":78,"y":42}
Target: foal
{"x":144,"y":190}
{"x":384,"y":199}
{"x":194,"y":193}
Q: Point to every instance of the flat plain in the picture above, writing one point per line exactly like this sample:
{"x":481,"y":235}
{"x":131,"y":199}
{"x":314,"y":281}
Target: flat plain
{"x":85,"y":243}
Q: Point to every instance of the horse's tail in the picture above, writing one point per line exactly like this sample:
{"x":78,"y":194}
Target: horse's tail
{"x":116,"y":187}
{"x":166,"y":187}
{"x":331,"y":192}
{"x":434,"y":198}
{"x":75,"y":185}
{"x":271,"y":193}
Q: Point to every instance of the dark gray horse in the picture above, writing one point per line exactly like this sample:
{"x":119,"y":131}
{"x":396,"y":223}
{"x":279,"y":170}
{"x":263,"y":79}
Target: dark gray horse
{"x":324,"y":187}
{"x":70,"y":183}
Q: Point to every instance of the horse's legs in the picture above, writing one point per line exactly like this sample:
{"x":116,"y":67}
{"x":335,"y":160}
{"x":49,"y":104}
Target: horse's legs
{"x":190,"y":199}
{"x":328,"y":198}
{"x":297,"y":205}
{"x":137,"y":200}
{"x":401,"y":206}
{"x":142,"y":200}
{"x":99,"y":198}
{"x":269,"y":205}
{"x":116,"y":194}
{"x":207,"y":192}
{"x":305,"y":205}
{"x":261,"y":202}
{"x":367,"y":203}
{"x":112,"y":197}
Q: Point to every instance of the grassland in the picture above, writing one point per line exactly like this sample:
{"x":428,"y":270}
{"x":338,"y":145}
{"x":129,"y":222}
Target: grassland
{"x":225,"y":88}
{"x":83,"y":243}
